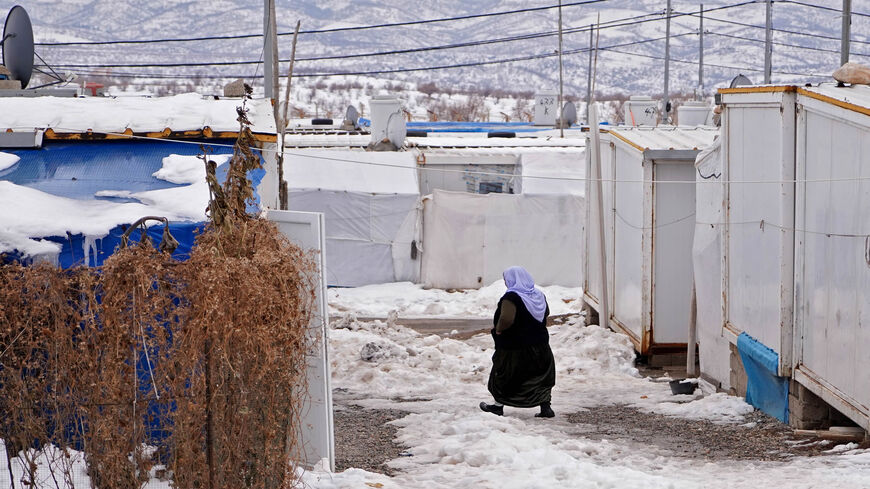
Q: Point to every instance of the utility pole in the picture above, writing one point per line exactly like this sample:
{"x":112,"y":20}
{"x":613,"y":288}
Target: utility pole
{"x":589,"y":74}
{"x":768,"y":43}
{"x":559,"y":117}
{"x":666,"y":101}
{"x":846,"y":32}
{"x":270,"y":50}
{"x":700,"y":94}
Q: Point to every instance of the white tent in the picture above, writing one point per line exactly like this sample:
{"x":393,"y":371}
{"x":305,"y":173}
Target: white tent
{"x":471,"y":238}
{"x":707,"y":265}
{"x":370,"y":201}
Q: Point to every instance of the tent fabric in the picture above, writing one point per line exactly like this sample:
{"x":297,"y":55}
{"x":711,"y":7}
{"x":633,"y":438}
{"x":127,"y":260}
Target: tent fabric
{"x":470,"y":239}
{"x":564,"y":173}
{"x":370,"y":209}
{"x":764,"y":389}
{"x":714,"y":351}
{"x":81,"y":170}
{"x":369,"y":237}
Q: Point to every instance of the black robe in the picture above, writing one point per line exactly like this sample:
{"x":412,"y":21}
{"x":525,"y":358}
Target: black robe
{"x":523,"y":369}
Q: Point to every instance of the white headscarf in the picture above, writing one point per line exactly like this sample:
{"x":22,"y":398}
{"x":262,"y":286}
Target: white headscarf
{"x":519,"y":281}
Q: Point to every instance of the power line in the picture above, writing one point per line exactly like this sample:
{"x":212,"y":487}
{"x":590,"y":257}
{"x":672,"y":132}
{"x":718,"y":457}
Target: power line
{"x":613,"y":24}
{"x":810,"y":48}
{"x":822,"y":7}
{"x":322,"y":31}
{"x":383,"y":71}
{"x":616,"y":23}
{"x":727,"y":67}
{"x":342,"y":29}
{"x":784,"y":31}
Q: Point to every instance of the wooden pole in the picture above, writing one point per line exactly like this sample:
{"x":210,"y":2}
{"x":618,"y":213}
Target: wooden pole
{"x":666,"y":102}
{"x":282,"y":126}
{"x":560,"y":112}
{"x":768,"y":43}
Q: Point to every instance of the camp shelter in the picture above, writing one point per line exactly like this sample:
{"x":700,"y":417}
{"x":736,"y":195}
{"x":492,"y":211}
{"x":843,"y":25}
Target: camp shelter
{"x":648,"y":195}
{"x":794,"y":250}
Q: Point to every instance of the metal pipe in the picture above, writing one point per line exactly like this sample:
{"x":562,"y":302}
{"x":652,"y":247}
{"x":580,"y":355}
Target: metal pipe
{"x":589,"y":75}
{"x":701,"y":56}
{"x":559,"y":113}
{"x":768,"y":43}
{"x":846,"y":32}
{"x":665,"y":100}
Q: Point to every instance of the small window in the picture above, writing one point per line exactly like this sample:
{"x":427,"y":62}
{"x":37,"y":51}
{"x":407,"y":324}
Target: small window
{"x":491,"y":188}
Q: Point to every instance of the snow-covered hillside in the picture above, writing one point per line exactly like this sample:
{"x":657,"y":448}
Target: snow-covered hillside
{"x":634,"y":68}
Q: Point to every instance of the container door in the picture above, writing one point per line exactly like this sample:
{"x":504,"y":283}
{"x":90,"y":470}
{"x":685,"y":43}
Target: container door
{"x":628,"y":293}
{"x":316,"y":437}
{"x":673,"y":232}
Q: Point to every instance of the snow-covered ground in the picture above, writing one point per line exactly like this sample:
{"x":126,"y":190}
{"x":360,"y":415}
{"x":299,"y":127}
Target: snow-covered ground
{"x":439,"y":382}
{"x":413,"y":301}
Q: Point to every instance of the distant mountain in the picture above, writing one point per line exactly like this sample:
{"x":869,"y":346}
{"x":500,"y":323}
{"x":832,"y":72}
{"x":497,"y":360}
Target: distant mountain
{"x":629,"y":60}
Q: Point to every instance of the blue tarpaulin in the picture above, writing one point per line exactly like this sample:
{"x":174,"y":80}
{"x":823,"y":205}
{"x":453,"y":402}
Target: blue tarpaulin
{"x":764,"y":389}
{"x":79,"y":169}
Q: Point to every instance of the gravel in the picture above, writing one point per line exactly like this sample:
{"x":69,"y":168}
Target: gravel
{"x":363,"y":437}
{"x":759,"y":438}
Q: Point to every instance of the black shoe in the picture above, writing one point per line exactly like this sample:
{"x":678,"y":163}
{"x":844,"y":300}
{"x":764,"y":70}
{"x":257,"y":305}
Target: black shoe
{"x":546,"y":411}
{"x":492,"y":408}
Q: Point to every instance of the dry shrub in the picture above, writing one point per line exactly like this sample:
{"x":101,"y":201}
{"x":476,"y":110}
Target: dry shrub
{"x":212,"y":349}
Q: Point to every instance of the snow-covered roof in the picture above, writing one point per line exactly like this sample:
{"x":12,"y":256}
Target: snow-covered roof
{"x":853,"y":97}
{"x":666,"y":138}
{"x":109,"y":115}
{"x":352,"y":171}
{"x":472,"y":140}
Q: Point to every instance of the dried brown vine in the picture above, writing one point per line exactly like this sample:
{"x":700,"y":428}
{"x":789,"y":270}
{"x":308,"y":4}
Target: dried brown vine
{"x":204,"y":359}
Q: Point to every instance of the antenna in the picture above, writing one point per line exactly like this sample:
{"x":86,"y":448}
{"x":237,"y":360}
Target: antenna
{"x":396,"y":130}
{"x":569,"y":115}
{"x":740,"y":81}
{"x":351,"y":117}
{"x":18,"y":45}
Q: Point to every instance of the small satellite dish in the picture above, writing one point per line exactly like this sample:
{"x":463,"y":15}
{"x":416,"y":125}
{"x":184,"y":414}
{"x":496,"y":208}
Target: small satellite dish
{"x":351,"y":115}
{"x":569,"y":114}
{"x":740,"y":81}
{"x":18,"y":45}
{"x":396,"y":130}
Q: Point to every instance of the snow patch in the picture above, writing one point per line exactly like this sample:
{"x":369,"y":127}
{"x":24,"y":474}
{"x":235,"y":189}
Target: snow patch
{"x":7,"y":160}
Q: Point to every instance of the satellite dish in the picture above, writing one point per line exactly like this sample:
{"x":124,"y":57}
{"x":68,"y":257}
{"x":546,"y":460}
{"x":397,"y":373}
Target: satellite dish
{"x":351,"y":115}
{"x":740,"y":81}
{"x":569,"y":114}
{"x":18,"y":45}
{"x":396,"y":130}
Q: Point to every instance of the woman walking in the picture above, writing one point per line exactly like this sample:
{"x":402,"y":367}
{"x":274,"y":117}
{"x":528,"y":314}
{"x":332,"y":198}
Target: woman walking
{"x":523,"y":370}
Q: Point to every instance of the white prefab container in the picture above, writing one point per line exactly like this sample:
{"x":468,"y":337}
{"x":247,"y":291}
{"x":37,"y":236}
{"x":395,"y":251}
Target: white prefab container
{"x":640,"y":110}
{"x":546,"y":108}
{"x":649,"y":201}
{"x":796,"y":252}
{"x":694,"y":113}
{"x":832,"y":254}
{"x":758,"y":127}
